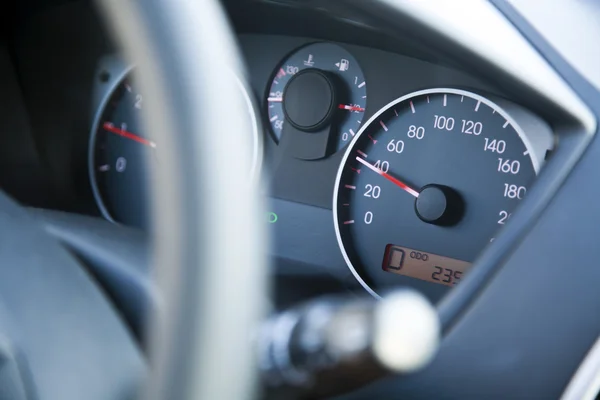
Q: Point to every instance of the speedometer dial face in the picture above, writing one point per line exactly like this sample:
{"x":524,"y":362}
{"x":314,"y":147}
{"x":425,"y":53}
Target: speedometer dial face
{"x":425,"y":186}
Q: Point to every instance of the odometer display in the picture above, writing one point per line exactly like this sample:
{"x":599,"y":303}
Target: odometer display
{"x":426,"y":266}
{"x":438,"y":170}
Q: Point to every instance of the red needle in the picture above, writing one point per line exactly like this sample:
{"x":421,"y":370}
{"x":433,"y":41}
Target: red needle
{"x":350,"y":108}
{"x":121,"y":132}
{"x":390,"y":178}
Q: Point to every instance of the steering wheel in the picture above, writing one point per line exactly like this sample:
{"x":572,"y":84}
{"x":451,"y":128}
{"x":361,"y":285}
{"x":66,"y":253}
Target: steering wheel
{"x":60,"y":336}
{"x":205,"y":206}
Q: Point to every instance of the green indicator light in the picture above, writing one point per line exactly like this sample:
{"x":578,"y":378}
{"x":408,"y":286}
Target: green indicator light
{"x":272,"y":217}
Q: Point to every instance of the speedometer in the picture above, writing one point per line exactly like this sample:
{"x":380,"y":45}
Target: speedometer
{"x":424,"y":187}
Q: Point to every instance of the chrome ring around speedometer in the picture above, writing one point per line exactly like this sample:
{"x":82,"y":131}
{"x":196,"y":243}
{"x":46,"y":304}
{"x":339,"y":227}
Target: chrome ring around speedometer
{"x":399,"y":208}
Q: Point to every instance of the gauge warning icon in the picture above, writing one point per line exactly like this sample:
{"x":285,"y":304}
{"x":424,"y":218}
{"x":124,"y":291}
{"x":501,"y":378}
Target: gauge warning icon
{"x":393,"y":257}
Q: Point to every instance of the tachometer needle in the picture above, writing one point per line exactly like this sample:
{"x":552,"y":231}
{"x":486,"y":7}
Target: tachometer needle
{"x":351,"y":108}
{"x":128,"y":135}
{"x":390,"y":178}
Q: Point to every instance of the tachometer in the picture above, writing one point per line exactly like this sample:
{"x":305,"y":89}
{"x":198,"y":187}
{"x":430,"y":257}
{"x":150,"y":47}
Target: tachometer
{"x":120,"y":150}
{"x":425,"y":186}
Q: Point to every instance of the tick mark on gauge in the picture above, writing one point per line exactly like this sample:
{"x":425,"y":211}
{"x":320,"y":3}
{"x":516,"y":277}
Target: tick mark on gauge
{"x":361,"y":153}
{"x":349,"y":222}
{"x":350,"y":187}
{"x":352,"y":132}
{"x":428,"y":99}
{"x":346,"y":205}
{"x":362,"y":84}
{"x":385,"y":128}
{"x":275,"y":82}
{"x":505,"y":124}
{"x":445,"y":99}
{"x":273,"y":118}
{"x":412,"y":107}
{"x":462,"y":98}
{"x":493,"y":111}
{"x":526,"y":152}
{"x":477,"y":106}
{"x":395,"y":112}
{"x":104,"y":168}
{"x":364,"y":97}
{"x":373,"y":140}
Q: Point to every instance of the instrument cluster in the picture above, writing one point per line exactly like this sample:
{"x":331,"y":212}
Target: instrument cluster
{"x":408,"y":169}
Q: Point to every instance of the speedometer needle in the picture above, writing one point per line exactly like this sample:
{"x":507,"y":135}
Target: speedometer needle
{"x":390,"y":178}
{"x":128,"y":135}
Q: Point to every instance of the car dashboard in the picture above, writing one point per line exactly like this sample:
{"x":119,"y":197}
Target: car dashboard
{"x":308,"y":98}
{"x":387,"y":159}
{"x":317,"y":103}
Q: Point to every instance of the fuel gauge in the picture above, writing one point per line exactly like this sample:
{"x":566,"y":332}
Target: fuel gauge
{"x":318,"y":96}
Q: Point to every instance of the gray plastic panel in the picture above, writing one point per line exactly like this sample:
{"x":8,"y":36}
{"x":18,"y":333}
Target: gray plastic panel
{"x":73,"y":345}
{"x":117,"y":256}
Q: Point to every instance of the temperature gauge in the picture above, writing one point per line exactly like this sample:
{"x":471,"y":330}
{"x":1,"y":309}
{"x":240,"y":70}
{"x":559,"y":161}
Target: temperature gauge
{"x":318,"y":96}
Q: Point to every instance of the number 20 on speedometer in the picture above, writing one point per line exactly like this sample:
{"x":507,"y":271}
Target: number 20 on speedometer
{"x":436,"y":172}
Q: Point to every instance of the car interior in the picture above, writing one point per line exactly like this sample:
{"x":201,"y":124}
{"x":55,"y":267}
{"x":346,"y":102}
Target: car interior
{"x":299,"y":199}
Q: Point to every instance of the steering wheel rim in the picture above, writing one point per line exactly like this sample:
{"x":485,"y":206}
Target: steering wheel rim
{"x":203,"y":203}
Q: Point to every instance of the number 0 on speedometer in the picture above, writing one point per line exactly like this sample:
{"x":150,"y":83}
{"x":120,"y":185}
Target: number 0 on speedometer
{"x":425,"y":186}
